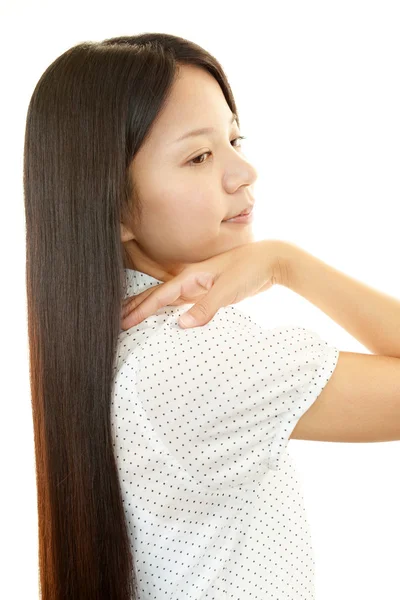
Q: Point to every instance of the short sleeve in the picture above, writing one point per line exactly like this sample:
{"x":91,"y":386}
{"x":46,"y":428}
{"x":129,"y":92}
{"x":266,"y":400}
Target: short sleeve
{"x":224,"y":398}
{"x":315,"y":361}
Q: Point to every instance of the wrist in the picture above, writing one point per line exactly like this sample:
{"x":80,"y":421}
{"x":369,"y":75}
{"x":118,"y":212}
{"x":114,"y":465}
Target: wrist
{"x":285,"y":261}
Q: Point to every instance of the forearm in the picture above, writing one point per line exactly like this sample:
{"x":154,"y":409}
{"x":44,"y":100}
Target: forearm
{"x":370,"y":316}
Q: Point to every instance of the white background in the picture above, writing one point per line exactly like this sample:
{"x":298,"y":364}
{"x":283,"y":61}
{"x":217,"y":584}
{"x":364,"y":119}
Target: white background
{"x":318,"y":93}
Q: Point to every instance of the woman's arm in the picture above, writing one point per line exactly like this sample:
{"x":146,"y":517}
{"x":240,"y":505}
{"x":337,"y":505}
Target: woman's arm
{"x":370,"y":316}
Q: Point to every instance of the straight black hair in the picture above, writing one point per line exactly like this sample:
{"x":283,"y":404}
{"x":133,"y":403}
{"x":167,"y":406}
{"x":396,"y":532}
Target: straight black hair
{"x":89,"y":114}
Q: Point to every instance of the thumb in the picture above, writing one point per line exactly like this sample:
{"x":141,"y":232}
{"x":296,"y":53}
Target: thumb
{"x":204,"y":310}
{"x":199,"y":314}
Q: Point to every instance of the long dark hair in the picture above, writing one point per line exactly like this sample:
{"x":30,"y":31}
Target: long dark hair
{"x":88,"y":115}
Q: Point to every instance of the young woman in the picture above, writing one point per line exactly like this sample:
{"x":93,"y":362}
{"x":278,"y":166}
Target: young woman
{"x":161,"y":460}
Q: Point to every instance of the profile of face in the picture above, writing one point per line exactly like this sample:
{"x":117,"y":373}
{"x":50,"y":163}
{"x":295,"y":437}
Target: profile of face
{"x":188,"y":187}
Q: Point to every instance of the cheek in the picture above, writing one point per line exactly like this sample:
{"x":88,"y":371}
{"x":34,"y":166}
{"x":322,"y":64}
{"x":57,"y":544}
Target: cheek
{"x":184,"y":209}
{"x":195,"y":208}
{"x":203,"y":207}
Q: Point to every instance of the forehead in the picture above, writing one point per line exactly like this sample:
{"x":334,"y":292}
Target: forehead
{"x":196,"y":100}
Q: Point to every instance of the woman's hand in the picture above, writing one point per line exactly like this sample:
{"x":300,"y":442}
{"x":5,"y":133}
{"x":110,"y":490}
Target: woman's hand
{"x":224,"y":279}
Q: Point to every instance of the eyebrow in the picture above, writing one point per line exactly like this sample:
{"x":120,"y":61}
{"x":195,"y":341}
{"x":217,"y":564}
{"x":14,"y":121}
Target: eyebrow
{"x":203,"y":130}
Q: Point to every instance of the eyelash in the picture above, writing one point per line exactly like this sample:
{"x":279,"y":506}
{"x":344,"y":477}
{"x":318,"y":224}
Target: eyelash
{"x":241,"y":137}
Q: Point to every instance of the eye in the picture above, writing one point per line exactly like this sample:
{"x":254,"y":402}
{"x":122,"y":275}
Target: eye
{"x":193,"y":164}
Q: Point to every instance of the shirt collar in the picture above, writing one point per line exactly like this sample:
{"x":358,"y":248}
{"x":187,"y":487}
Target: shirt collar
{"x":136,"y":282}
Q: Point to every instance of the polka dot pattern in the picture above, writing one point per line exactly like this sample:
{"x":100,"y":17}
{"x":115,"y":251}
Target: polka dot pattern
{"x":201,"y":420}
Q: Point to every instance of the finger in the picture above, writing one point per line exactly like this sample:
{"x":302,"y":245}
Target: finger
{"x":158,"y":298}
{"x":173,"y":293}
{"x":205,"y":309}
{"x":130,"y":303}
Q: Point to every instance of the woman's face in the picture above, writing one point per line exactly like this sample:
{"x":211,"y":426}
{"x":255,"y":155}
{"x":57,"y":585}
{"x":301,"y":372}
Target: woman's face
{"x":184,"y":203}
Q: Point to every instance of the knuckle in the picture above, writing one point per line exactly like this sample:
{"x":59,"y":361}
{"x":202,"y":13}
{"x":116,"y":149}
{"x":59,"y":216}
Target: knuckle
{"x":138,"y":314}
{"x":158,"y":301}
{"x":202,"y":308}
{"x":128,"y":307}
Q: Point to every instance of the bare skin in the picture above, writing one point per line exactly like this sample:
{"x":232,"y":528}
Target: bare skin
{"x":185,"y":203}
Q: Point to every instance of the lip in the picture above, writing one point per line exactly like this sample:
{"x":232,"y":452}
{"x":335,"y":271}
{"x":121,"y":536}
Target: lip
{"x":247,"y":218}
{"x":244,"y":217}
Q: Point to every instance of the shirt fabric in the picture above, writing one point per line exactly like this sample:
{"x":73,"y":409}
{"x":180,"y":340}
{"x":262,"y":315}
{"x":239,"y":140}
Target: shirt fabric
{"x":201,"y":420}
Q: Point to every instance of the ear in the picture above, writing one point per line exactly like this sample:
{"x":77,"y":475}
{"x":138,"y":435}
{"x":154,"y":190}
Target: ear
{"x":126,"y":234}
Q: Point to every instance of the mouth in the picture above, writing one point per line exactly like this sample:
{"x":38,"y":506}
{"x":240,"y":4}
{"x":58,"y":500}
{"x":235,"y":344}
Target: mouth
{"x":244,"y":216}
{"x":244,"y":213}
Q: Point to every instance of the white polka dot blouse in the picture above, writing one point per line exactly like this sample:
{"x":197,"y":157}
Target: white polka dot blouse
{"x":201,"y":420}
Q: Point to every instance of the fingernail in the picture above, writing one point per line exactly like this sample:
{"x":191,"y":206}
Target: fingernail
{"x":186,"y":320}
